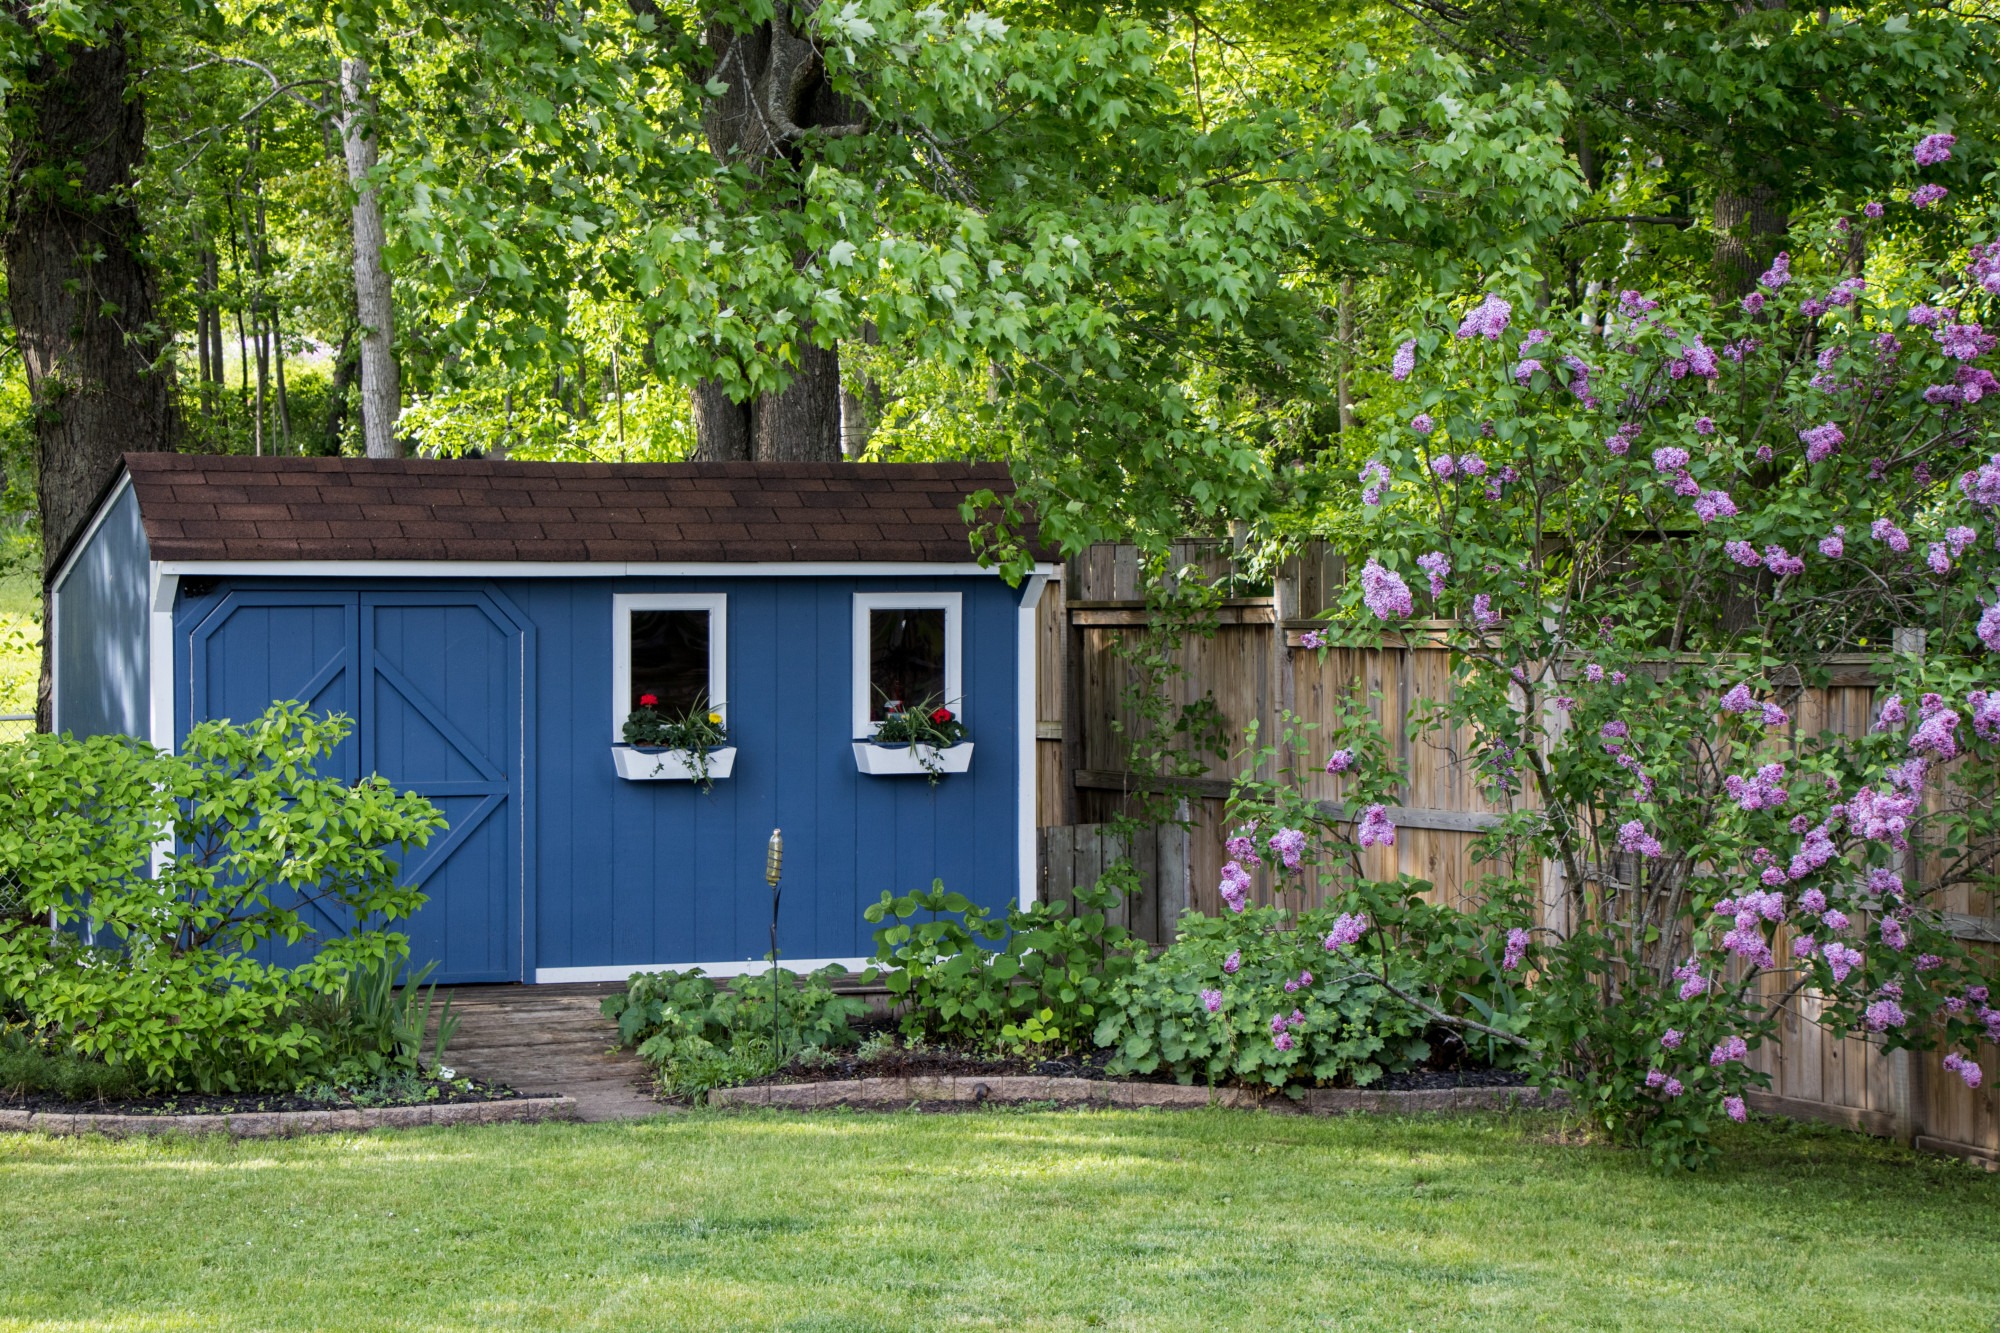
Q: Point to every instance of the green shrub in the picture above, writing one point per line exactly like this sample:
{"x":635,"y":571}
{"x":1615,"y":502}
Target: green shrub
{"x":372,"y":1024}
{"x":1038,"y":978}
{"x":247,"y":839}
{"x":1259,"y":998}
{"x":699,"y":1035}
{"x":26,"y":1068}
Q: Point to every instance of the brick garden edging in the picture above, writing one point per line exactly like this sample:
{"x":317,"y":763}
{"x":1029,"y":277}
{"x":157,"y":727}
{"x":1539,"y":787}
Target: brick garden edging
{"x":286,"y":1124}
{"x":1004,"y":1090}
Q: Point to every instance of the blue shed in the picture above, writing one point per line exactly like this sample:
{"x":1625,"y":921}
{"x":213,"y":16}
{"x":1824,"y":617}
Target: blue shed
{"x":489,"y":626}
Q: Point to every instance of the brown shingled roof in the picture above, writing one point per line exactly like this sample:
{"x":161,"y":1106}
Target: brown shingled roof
{"x":198,"y":507}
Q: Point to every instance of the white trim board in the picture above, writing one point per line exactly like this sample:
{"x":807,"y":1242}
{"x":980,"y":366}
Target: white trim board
{"x":741,"y":968}
{"x":623,"y":604}
{"x":1027,"y":774}
{"x":953,"y":605}
{"x":584,"y":569}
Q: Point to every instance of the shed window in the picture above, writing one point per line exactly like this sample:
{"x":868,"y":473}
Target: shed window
{"x":906,"y":654}
{"x":672,"y":647}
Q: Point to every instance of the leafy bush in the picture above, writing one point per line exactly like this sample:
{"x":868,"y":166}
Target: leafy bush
{"x":1038,"y":978}
{"x":248,"y":839}
{"x":1261,"y":998}
{"x":26,"y":1068}
{"x":700,"y":1035}
{"x":373,"y":1023}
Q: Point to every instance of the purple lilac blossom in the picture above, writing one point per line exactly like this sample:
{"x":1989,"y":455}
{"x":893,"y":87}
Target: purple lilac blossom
{"x":1937,"y":735}
{"x":1753,"y":304}
{"x":1778,"y":274}
{"x":1835,"y":546}
{"x":1375,"y":828}
{"x":1289,"y":844}
{"x":1985,"y":710}
{"x":1234,"y":961}
{"x":1669,"y":459}
{"x":1673,"y":1088}
{"x":1312,"y":639}
{"x":1671,"y":1039}
{"x":1924,"y":196}
{"x":1773,"y":716}
{"x":1711,"y":505}
{"x":1437,"y":567}
{"x":1872,"y":209}
{"x":1738,"y":700}
{"x":1346,"y":930}
{"x":1891,"y":931}
{"x":1517,"y":949}
{"x":1211,"y":1000}
{"x":1527,"y":370}
{"x":1374,"y":481}
{"x":1340,"y":761}
{"x":1484,"y":616}
{"x":1733,"y":1108}
{"x":1729,"y":1048}
{"x":1743,"y":553}
{"x":1885,"y":531}
{"x":1965,"y":1068}
{"x":1444,"y":465}
{"x":1782,"y":562}
{"x":1881,"y":1015}
{"x":1938,"y":557}
{"x":1704,"y":425}
{"x":1841,"y":960}
{"x":1822,"y":440}
{"x":1933,"y":149}
{"x":1422,"y":424}
{"x":1404,"y":361}
{"x":1989,"y":628}
{"x":1235,"y":886}
{"x":1632,"y":837}
{"x":1488,"y":319}
{"x":1384,"y":592}
{"x":1893,"y":713}
{"x":1472,"y":465}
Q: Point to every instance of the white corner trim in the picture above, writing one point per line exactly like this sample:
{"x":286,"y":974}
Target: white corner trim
{"x":586,"y":569}
{"x":952,"y":604}
{"x":96,"y":522}
{"x":1026,"y":774}
{"x":623,"y":604}
{"x":160,"y":659}
{"x":748,"y":967}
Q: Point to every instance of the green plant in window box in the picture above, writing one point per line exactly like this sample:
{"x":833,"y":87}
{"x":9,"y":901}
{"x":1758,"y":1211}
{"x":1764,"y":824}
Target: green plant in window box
{"x":926,"y":727}
{"x":692,"y":733}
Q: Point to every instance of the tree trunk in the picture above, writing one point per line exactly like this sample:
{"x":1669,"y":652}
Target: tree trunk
{"x":1749,"y":227}
{"x":346,"y":369}
{"x":82,"y":296}
{"x":381,"y":387}
{"x":777,"y":94}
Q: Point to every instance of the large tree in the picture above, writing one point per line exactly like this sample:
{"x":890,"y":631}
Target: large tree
{"x":80,"y":289}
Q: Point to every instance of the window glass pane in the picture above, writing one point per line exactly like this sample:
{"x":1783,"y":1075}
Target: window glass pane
{"x":670,"y":659}
{"x":905,"y":659}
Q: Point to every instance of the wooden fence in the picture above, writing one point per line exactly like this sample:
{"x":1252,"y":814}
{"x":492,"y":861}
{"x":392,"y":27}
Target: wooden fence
{"x":1255,"y":668}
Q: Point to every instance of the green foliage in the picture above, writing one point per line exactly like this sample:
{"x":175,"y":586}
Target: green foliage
{"x":699,"y":1035}
{"x":692,"y":733}
{"x":27,"y":1068}
{"x":1288,"y":1011}
{"x":373,"y":1023}
{"x":251,"y":845}
{"x":1040,"y":977}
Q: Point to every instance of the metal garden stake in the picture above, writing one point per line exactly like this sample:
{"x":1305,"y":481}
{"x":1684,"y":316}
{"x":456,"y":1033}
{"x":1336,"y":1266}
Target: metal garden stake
{"x":774,"y":864}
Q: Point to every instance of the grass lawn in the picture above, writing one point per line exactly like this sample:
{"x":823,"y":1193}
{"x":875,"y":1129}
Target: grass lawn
{"x":20,"y":642}
{"x":1014,"y":1220}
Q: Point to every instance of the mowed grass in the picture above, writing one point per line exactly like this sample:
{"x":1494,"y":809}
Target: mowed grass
{"x":1009,"y":1220}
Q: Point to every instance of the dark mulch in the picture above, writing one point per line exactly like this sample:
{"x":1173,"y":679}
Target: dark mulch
{"x":1449,"y":1067}
{"x":431,"y":1092}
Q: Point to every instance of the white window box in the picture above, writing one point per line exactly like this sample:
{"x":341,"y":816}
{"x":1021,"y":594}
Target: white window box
{"x":886,"y":761}
{"x":636,"y":764}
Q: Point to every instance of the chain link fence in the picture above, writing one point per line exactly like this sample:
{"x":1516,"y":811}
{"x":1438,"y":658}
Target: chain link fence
{"x":16,"y":726}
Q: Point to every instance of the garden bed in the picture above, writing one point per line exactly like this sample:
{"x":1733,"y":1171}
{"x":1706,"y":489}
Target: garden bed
{"x":279,"y":1115}
{"x":965,"y":1092}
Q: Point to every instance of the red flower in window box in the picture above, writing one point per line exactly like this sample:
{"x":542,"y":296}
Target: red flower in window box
{"x":941,"y":716}
{"x":649,"y":701}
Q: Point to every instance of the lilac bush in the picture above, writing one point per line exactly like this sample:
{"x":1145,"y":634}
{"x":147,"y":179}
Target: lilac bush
{"x":1683,"y":512}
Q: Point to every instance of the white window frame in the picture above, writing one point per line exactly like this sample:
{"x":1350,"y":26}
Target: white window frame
{"x":952,"y":605}
{"x":623,"y":604}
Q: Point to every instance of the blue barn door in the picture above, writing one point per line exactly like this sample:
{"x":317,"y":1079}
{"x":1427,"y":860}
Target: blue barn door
{"x":441,"y":715}
{"x":434,"y":683}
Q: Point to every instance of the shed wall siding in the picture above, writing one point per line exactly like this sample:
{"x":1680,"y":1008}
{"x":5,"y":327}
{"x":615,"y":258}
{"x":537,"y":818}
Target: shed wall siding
{"x":635,"y":873}
{"x":101,"y":650}
{"x":624,"y":875}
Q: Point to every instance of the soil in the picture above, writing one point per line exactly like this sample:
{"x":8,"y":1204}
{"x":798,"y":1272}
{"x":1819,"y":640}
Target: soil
{"x":1448,"y":1067}
{"x":433,"y":1092}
